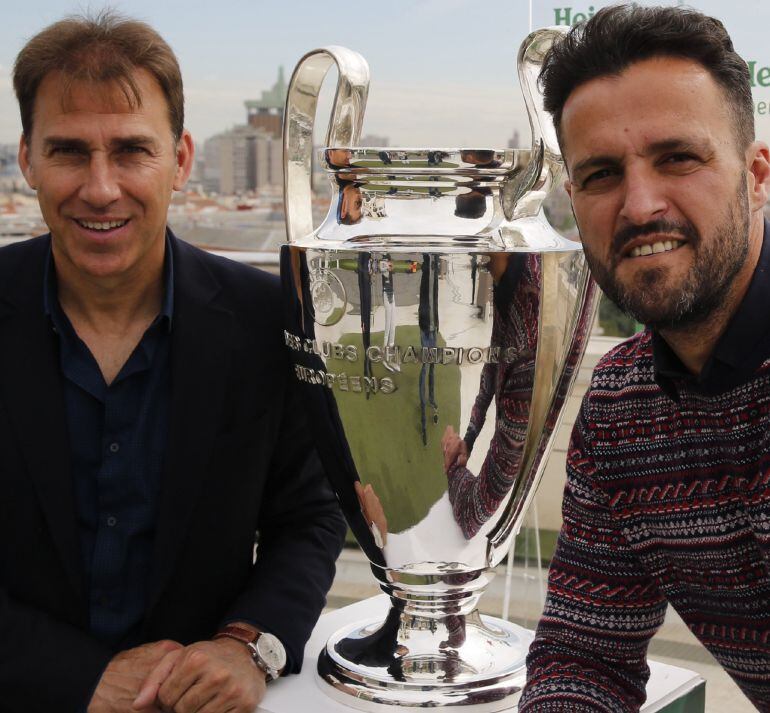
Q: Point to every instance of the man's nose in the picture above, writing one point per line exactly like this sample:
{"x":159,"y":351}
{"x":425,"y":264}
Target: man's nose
{"x":100,"y":187}
{"x":644,"y":199}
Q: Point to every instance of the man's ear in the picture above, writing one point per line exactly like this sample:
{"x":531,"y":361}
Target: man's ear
{"x":568,"y":187}
{"x":24,"y":163}
{"x":758,"y":174}
{"x":185,"y":155}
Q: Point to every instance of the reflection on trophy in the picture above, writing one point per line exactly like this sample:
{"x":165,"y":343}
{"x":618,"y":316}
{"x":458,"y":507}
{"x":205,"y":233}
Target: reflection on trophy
{"x":436,"y":322}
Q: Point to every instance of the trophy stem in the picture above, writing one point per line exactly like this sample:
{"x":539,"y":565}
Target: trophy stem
{"x":466,"y":659}
{"x":433,"y":595}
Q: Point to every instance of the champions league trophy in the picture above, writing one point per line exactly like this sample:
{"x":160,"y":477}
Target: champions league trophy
{"x":436,"y":321}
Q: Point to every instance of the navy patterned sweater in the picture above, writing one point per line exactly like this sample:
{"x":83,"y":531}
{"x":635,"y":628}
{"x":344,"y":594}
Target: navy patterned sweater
{"x":667,"y":499}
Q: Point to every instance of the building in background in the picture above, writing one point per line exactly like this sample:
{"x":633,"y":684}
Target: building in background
{"x":248,"y":159}
{"x":242,"y":160}
{"x":9,"y":166}
{"x":267,"y":112}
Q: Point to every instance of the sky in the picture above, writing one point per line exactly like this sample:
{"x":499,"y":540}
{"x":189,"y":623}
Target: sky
{"x":443,"y":72}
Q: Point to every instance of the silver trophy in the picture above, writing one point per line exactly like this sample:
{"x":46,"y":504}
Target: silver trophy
{"x":436,"y":322}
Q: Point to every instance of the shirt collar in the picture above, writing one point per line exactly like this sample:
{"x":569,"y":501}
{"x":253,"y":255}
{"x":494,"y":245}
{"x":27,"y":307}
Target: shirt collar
{"x":51,"y":299}
{"x":742,"y":348}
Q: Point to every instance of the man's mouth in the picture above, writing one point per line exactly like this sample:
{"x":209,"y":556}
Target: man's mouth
{"x":101,"y":225}
{"x":662,"y":246}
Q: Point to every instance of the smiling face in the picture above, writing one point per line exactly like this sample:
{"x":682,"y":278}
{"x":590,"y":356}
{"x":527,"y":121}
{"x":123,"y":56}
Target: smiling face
{"x":104,"y":173}
{"x":667,"y":205}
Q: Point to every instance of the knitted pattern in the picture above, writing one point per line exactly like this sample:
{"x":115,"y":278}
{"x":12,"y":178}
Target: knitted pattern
{"x":664,"y":501}
{"x":514,"y":326}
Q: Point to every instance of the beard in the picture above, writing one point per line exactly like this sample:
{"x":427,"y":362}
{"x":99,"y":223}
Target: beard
{"x":702,"y":292}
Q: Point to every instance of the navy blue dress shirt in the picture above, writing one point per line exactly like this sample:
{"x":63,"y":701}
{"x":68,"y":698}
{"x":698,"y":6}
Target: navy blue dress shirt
{"x":117,"y":435}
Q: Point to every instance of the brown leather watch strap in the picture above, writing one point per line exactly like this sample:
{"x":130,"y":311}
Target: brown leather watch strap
{"x":249,"y":638}
{"x":239,"y":633}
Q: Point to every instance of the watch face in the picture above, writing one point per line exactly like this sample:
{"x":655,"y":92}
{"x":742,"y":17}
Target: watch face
{"x":271,"y":651}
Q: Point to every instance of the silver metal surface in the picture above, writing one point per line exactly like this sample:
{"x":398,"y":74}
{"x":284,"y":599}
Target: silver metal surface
{"x":436,"y":322}
{"x":486,"y":669}
{"x":299,"y":117}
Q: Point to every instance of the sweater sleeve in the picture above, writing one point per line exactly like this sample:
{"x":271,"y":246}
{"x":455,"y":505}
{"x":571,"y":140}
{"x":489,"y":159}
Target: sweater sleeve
{"x":590,"y":649}
{"x":481,"y":404}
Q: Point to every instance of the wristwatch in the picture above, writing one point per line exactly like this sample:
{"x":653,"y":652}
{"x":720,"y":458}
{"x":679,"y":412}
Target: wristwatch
{"x":266,"y":650}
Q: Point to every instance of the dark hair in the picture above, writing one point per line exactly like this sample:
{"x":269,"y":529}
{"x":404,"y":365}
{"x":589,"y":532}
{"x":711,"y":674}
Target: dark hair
{"x":106,"y":47}
{"x":617,"y":36}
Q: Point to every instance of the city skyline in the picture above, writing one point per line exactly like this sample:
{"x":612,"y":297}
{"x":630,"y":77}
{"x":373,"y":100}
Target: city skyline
{"x":443,"y":71}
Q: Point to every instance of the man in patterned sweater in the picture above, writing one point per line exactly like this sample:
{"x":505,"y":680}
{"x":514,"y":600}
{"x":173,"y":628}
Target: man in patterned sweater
{"x":668,"y":476}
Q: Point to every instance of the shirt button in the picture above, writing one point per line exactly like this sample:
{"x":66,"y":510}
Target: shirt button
{"x":114,"y":447}
{"x":112,"y":521}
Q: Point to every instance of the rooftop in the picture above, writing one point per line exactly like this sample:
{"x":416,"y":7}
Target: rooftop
{"x":274,"y":98}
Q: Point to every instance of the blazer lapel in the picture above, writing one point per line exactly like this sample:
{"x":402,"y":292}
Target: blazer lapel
{"x":32,"y":392}
{"x":201,"y":337}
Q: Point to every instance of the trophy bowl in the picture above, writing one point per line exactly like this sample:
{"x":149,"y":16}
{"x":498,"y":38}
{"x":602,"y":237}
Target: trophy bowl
{"x":435,"y":322}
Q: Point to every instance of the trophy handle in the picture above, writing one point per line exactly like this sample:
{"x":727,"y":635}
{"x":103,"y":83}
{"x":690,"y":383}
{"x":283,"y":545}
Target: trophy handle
{"x":344,"y":125}
{"x":530,"y":60}
{"x":555,"y":378}
{"x":544,"y":141}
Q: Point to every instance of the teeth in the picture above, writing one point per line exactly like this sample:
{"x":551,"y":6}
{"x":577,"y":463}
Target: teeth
{"x":109,"y":225}
{"x":659,"y":247}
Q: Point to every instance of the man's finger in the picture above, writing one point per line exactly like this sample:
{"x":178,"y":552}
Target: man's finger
{"x":462,"y":458}
{"x":198,"y":698}
{"x":149,"y":690}
{"x":451,"y":449}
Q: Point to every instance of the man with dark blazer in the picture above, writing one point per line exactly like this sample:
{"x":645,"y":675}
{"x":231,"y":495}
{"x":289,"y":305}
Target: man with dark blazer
{"x":167,"y":537}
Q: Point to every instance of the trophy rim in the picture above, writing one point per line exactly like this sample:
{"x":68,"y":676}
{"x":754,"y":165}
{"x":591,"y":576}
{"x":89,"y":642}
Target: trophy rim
{"x":415,"y":160}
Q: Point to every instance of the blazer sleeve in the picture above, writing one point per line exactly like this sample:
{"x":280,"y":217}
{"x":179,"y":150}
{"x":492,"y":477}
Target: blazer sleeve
{"x":47,"y":661}
{"x":590,"y":648}
{"x":301,"y":532}
{"x":45,"y":664}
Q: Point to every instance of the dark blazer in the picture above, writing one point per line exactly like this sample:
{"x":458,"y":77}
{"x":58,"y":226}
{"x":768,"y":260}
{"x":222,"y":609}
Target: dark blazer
{"x":238,"y":460}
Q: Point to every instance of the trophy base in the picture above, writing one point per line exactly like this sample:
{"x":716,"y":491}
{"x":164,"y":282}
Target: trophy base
{"x":419,"y":662}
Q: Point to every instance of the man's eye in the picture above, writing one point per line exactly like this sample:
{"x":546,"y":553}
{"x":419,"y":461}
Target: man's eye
{"x":678,"y":158}
{"x":134,"y":149}
{"x":603,"y":175}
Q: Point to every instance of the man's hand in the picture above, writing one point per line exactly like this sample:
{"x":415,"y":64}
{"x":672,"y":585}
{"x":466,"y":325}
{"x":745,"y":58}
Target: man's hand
{"x":124,"y":675}
{"x":455,"y":449}
{"x":208,"y":676}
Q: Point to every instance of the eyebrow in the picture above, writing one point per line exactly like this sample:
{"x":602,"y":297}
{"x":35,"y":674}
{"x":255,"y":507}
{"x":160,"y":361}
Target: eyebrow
{"x":136,"y":140}
{"x":52,"y":142}
{"x":55,"y":142}
{"x":594,"y":162}
{"x":677,"y":144}
{"x":670,"y":144}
